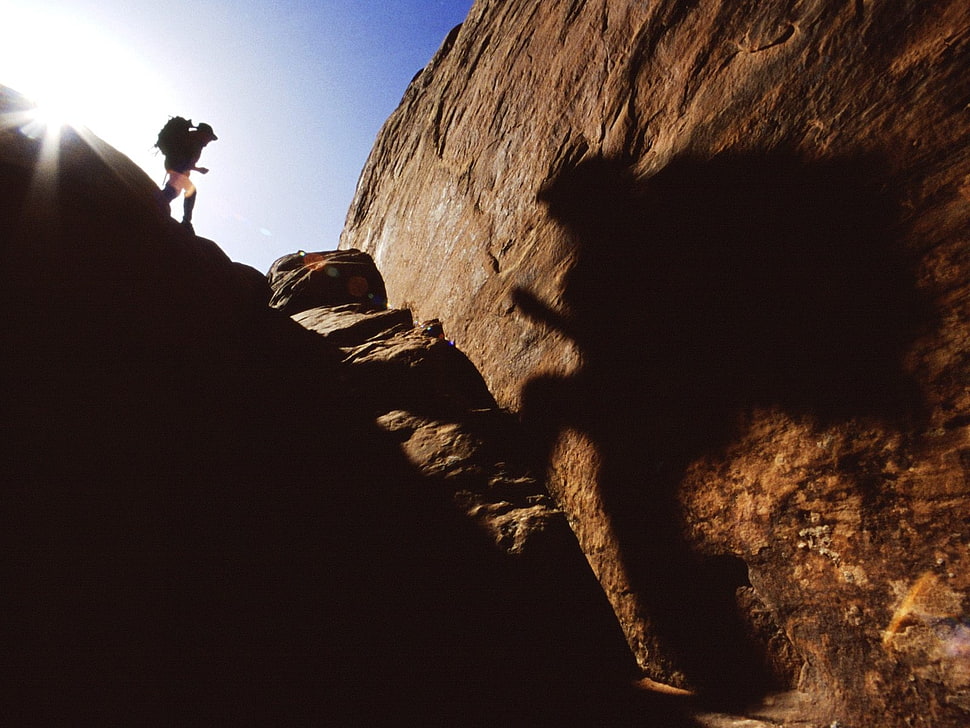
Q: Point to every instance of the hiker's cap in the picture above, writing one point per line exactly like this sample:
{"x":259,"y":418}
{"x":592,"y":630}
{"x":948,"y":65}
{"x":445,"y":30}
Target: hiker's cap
{"x":208,"y":129}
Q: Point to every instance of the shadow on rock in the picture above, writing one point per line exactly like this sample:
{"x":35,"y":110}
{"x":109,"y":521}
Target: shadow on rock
{"x":712,"y":288}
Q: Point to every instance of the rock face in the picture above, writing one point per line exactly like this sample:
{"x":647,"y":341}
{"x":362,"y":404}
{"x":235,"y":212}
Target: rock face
{"x":716,"y":257}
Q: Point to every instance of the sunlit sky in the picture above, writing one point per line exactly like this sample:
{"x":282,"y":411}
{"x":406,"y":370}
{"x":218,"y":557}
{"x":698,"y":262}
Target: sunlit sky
{"x":296,"y":90}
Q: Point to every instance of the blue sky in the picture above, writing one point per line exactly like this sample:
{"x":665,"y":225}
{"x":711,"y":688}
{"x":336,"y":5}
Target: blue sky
{"x":296,"y":91}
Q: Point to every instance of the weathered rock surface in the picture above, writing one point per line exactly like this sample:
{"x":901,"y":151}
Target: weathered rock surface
{"x":716,"y":256}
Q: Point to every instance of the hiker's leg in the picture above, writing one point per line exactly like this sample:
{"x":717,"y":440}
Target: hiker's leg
{"x":176,"y":183}
{"x":189,"y":206}
{"x":189,"y":200}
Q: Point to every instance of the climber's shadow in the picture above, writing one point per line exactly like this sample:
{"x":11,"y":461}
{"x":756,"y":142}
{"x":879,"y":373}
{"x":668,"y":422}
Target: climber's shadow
{"x":709,"y":289}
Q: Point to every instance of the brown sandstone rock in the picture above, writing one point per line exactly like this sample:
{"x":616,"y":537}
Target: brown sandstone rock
{"x":301,"y":281}
{"x":715,"y":254}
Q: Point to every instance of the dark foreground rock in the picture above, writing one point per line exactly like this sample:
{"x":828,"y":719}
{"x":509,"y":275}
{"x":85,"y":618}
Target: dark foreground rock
{"x":212,"y":514}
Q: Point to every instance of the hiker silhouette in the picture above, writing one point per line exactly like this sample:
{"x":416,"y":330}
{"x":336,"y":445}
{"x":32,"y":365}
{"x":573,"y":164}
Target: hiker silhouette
{"x":714,"y":288}
{"x":182,"y":145}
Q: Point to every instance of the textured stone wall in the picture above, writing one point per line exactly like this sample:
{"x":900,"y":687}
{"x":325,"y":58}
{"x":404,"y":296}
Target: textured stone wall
{"x":716,"y":256}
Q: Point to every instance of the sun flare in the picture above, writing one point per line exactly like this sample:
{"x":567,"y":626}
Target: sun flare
{"x":80,"y":76}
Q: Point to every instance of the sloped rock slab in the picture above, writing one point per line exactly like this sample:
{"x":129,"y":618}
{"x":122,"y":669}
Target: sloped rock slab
{"x":512,"y":507}
{"x":397,"y":365}
{"x":448,"y":424}
{"x":352,"y":324}
{"x":419,"y":373}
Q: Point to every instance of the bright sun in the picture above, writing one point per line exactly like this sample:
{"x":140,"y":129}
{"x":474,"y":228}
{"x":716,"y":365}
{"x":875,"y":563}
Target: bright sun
{"x":78,"y":75}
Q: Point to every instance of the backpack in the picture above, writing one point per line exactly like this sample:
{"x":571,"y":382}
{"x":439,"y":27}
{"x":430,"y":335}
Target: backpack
{"x":173,"y":137}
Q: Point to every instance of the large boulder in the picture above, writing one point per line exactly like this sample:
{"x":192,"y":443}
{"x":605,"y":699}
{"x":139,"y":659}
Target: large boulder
{"x":715,"y":255}
{"x":301,"y":281}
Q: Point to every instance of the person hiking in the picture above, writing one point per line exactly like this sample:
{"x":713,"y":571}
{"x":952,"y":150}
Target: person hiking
{"x":181,"y":159}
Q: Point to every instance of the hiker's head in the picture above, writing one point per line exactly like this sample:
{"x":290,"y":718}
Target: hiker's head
{"x":207,"y":131}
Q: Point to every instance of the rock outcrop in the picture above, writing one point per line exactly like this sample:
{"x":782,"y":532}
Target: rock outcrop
{"x":302,"y":280}
{"x":715,"y":256}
